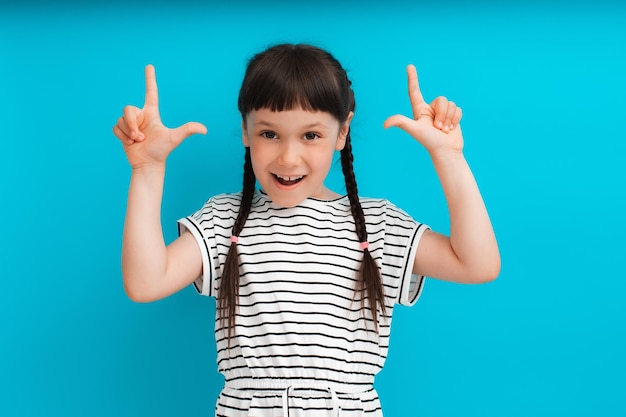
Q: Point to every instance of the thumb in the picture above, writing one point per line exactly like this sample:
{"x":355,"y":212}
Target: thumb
{"x":398,"y":121}
{"x":184,"y":131}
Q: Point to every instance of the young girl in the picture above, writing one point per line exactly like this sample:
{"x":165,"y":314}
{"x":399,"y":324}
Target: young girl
{"x":305,"y":279}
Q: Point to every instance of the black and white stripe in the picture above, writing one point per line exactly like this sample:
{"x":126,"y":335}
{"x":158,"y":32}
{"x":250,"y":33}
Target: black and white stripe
{"x":298,"y":317}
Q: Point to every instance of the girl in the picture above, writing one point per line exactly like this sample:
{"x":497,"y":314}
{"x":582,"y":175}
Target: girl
{"x":305,"y":279}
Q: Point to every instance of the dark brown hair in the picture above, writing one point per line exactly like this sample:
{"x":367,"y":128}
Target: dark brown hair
{"x":285,"y":77}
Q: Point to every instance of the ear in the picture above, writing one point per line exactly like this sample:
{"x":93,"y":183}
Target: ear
{"x":343,"y":132}
{"x":244,"y":134}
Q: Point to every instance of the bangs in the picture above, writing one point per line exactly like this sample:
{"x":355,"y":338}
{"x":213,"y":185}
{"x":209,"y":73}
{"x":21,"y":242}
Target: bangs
{"x":293,"y":79}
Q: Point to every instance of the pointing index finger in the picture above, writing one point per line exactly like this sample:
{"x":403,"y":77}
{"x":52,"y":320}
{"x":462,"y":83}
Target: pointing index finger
{"x":152,"y":93}
{"x":415,"y":95}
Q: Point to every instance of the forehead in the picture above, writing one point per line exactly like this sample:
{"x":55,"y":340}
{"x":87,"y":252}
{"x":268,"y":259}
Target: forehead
{"x":294,"y":118}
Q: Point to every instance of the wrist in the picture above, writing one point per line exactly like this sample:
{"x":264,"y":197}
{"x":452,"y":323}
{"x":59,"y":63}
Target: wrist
{"x":447,"y":156}
{"x":149,"y":169}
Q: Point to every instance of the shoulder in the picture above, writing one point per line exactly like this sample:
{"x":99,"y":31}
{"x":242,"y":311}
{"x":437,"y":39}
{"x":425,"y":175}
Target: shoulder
{"x":383,"y":207}
{"x":224,"y":199}
{"x":220,"y":205}
{"x":230,"y":202}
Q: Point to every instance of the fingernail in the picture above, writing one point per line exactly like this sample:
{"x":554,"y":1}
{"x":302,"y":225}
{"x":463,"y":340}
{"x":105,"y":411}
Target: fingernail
{"x":439,"y":125}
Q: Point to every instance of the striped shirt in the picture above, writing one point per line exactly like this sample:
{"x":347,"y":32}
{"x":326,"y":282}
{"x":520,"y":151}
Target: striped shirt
{"x":302,"y":343}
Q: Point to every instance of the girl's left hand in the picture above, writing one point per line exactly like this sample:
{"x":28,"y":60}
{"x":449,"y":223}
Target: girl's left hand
{"x":435,"y":125}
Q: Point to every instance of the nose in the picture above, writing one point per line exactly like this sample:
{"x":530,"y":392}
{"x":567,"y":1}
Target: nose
{"x":289,"y":153}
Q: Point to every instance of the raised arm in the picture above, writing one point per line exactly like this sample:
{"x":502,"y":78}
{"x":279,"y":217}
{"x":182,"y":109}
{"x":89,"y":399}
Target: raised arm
{"x":150,"y":269}
{"x":470,"y":254}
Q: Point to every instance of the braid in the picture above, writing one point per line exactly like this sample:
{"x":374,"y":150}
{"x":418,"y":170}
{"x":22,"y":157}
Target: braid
{"x":347,"y":160}
{"x":369,"y":280}
{"x":228,"y":296}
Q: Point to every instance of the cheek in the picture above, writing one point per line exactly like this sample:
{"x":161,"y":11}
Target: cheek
{"x":258,"y":154}
{"x":261,"y":157}
{"x":324,"y":159}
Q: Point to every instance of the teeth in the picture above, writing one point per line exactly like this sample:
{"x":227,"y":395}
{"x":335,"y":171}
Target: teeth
{"x":289,"y":178}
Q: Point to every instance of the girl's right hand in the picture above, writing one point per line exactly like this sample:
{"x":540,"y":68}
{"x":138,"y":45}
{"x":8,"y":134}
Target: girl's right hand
{"x":145,"y":139}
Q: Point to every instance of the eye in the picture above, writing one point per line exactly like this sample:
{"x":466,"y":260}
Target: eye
{"x":311,"y":136}
{"x":269,"y":135}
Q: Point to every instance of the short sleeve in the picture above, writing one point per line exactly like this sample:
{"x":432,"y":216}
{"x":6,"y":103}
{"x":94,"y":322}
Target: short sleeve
{"x":200,"y":225}
{"x":411,"y":284}
{"x":402,"y":236}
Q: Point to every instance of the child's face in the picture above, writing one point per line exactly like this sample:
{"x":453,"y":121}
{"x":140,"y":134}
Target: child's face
{"x":291,"y":152}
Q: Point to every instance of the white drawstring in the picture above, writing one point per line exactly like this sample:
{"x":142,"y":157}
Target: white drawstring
{"x":286,"y":393}
{"x":333,"y":398}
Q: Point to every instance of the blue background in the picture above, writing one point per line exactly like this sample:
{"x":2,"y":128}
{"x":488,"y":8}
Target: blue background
{"x":543,"y":93}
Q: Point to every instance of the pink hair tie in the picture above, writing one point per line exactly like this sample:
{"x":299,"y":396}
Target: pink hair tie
{"x":365,"y":245}
{"x":234,"y":239}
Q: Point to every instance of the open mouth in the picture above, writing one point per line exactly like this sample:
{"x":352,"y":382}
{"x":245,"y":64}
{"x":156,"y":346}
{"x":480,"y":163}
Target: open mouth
{"x":288,"y":180}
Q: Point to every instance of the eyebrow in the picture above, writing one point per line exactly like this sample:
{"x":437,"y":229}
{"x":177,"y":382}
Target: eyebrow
{"x":309,"y":126}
